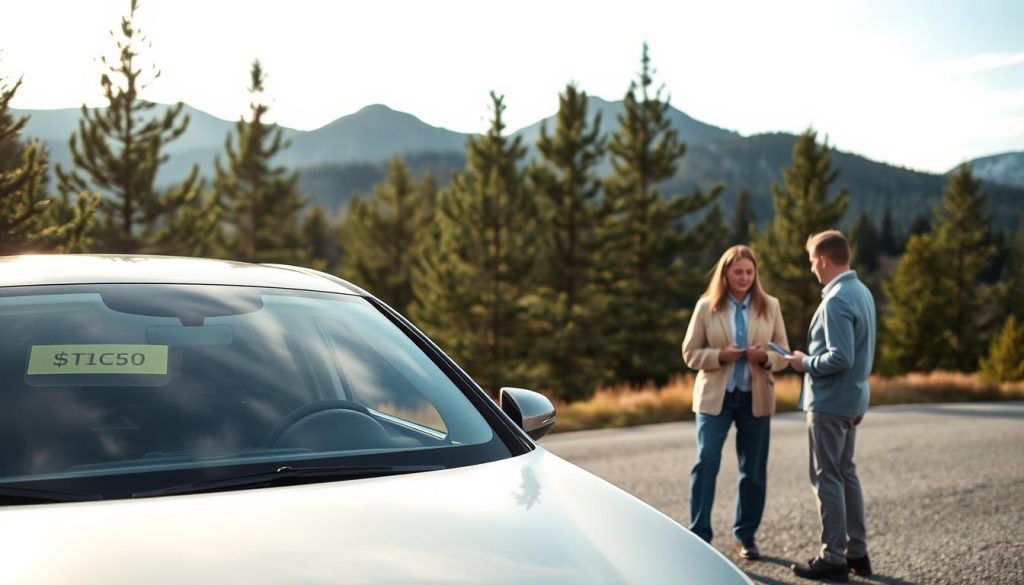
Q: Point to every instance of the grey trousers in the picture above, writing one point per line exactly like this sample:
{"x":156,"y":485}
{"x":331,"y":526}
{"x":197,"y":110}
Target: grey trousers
{"x":835,"y":483}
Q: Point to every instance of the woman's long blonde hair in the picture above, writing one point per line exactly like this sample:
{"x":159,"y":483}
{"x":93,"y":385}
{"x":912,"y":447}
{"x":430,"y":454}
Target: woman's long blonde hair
{"x":718,"y":288}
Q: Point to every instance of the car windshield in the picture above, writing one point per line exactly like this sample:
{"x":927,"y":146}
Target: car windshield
{"x":118,"y":389}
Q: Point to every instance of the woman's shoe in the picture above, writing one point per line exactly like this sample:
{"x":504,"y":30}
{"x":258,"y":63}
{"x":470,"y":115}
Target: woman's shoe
{"x":748,"y":549}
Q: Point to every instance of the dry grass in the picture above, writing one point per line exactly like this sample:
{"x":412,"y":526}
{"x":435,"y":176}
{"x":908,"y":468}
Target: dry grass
{"x":622,"y":406}
{"x":941,"y":387}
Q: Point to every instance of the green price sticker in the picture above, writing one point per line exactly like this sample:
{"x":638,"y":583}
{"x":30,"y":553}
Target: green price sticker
{"x":97,"y":359}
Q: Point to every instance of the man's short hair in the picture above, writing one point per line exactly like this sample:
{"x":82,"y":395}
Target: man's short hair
{"x":831,"y":244}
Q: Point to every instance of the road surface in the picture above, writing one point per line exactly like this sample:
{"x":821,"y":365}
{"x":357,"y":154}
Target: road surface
{"x":943,"y":484}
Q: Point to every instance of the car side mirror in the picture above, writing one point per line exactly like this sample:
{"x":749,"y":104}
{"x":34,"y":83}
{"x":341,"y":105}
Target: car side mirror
{"x":532,"y":411}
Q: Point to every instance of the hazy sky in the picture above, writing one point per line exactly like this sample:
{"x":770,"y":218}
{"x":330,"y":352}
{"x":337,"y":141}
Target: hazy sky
{"x":924,"y":84}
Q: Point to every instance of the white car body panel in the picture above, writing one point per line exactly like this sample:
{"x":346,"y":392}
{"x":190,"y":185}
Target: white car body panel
{"x":532,"y":519}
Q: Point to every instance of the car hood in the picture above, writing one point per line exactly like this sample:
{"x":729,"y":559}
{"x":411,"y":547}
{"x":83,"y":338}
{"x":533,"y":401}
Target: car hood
{"x":529,"y":519}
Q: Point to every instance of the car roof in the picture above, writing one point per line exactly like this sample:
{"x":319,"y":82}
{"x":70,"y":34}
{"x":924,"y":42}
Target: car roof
{"x":45,"y":269}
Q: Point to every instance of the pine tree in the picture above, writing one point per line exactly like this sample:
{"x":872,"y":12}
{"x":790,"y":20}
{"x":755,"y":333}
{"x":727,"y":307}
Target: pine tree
{"x":1011,"y":285}
{"x":22,"y":177}
{"x":191,"y":220}
{"x":915,"y":337}
{"x":888,"y":241}
{"x":715,"y":235}
{"x":646,"y":242}
{"x":802,"y":207}
{"x":10,"y":146}
{"x":865,"y":242}
{"x":117,"y":152}
{"x":384,"y":234}
{"x":320,"y":234}
{"x":1005,"y":359}
{"x":470,"y":286}
{"x":69,"y":222}
{"x":566,"y":309}
{"x":922,"y":224}
{"x":743,"y":221}
{"x":1000,"y":247}
{"x":261,"y":202}
{"x":936,"y":305}
{"x":31,"y":221}
{"x":963,"y":231}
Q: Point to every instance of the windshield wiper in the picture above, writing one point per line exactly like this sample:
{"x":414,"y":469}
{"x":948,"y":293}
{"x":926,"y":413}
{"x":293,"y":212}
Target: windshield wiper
{"x":287,"y":475}
{"x":12,"y":495}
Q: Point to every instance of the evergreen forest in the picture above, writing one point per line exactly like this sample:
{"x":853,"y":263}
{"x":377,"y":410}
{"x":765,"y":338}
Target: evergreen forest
{"x":564,"y":271}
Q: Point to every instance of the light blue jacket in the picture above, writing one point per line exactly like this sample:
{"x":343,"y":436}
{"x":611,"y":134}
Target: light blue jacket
{"x":840,"y":349}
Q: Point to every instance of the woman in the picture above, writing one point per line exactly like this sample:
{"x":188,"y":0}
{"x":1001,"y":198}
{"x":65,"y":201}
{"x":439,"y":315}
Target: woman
{"x":727,"y":341}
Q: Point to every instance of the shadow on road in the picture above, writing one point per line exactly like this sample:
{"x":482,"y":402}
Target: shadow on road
{"x":787,"y":563}
{"x":886,"y":580}
{"x":783,"y":562}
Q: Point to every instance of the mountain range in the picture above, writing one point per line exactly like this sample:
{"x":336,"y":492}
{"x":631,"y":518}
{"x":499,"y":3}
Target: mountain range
{"x":350,"y":155}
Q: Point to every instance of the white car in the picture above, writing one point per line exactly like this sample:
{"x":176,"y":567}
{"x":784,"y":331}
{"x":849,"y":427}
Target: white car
{"x":173,"y":420}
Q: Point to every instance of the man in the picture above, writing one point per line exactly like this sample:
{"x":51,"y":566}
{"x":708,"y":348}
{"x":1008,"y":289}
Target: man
{"x":840,"y":352}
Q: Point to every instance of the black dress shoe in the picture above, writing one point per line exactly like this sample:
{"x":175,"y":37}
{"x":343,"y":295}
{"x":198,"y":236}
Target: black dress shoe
{"x":748,"y":549}
{"x":822,"y":571}
{"x":860,"y":566}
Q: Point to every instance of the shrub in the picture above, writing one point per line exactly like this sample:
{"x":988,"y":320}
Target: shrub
{"x":1005,"y":359}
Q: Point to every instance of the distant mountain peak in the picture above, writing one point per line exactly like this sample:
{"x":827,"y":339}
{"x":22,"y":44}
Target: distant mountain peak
{"x":372,"y":111}
{"x":373,"y":133}
{"x":691,"y":130}
{"x":377,"y":115}
{"x":379,"y":110}
{"x":374,"y":108}
{"x":1006,"y":168}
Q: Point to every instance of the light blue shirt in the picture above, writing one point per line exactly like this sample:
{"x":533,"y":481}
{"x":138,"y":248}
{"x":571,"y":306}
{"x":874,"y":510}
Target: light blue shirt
{"x":745,"y":386}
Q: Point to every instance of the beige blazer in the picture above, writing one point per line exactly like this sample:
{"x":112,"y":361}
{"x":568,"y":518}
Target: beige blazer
{"x":709,"y":332}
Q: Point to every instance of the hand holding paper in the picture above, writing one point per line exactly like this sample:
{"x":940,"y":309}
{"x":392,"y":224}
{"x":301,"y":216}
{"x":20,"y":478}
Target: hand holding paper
{"x":778,"y":348}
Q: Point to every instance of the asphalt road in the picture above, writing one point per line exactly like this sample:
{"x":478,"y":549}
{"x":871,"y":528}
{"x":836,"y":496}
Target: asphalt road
{"x":943,"y":484}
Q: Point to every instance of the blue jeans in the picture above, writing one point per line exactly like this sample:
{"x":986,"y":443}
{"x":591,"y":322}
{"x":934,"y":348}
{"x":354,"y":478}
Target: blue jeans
{"x":752,"y":435}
